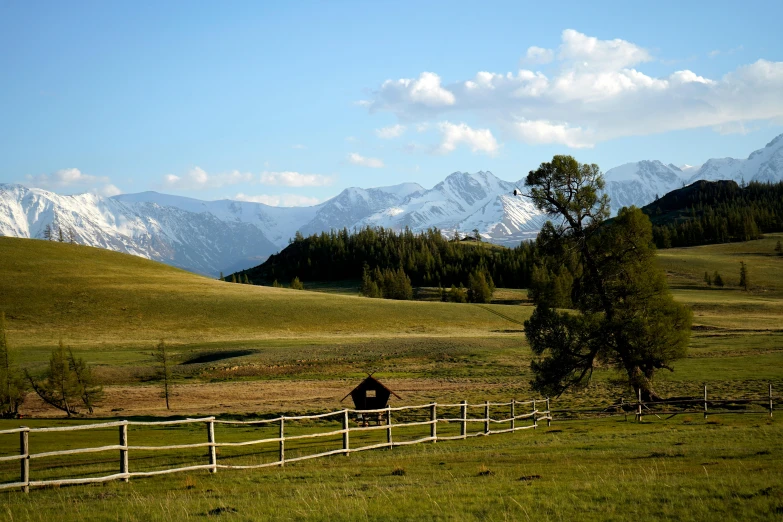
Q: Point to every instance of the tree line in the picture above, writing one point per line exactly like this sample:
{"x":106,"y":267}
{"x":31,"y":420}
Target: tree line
{"x":426,"y":258}
{"x":716,"y":212}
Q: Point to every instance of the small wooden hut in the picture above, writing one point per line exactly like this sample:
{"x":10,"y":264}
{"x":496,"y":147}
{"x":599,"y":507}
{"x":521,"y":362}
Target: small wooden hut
{"x":370,"y":394}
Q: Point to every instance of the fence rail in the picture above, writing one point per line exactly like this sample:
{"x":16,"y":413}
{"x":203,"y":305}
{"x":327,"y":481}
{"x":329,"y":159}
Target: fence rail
{"x":687,"y":406}
{"x":383,"y":416}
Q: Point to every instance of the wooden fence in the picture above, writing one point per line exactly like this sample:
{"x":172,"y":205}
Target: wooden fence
{"x":383,"y":417}
{"x":678,"y":406}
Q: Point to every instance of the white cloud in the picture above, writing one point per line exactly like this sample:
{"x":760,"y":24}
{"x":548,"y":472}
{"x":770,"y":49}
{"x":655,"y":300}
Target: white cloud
{"x":73,"y":180}
{"x":108,"y":190}
{"x":198,"y":179}
{"x":393,"y":131}
{"x":590,"y":52}
{"x":298,"y":146}
{"x":295,"y":179}
{"x":452,"y":135}
{"x":423,"y":93}
{"x":539,"y":55}
{"x":717,"y":52}
{"x":542,"y":132}
{"x":283,"y":200}
{"x":356,"y":159}
{"x":596,"y":93}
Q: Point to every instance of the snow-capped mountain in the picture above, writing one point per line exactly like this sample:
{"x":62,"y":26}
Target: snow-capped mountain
{"x":203,"y":236}
{"x":464,"y":202}
{"x":225,"y":235}
{"x":638,"y":183}
{"x":200,"y":242}
{"x":354,"y":204}
{"x":763,"y":165}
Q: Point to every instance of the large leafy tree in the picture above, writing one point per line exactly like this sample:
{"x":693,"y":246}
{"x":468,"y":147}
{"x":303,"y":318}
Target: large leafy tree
{"x":623,"y":314}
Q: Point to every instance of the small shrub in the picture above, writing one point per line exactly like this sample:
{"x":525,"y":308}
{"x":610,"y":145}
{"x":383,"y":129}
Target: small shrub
{"x":398,"y":472}
{"x":484,"y":471}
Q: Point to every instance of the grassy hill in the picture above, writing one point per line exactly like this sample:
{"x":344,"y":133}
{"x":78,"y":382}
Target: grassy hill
{"x":89,"y":296}
{"x":94,"y":297}
{"x":266,"y":348}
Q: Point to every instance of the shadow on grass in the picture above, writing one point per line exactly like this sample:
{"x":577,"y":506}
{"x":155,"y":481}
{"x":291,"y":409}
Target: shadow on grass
{"x":209,"y":357}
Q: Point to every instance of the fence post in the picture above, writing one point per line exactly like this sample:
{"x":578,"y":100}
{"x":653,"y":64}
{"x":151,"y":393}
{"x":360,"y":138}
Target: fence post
{"x":548,"y":414}
{"x":346,"y":441}
{"x":434,"y":420}
{"x":463,"y":430}
{"x":389,"y":439}
{"x":486,"y":417}
{"x":513,"y":414}
{"x":770,"y":401}
{"x":535,"y":416}
{"x":639,"y":405}
{"x":282,"y":440}
{"x":124,"y":451}
{"x":212,"y":448}
{"x":705,"y":401}
{"x":24,"y":451}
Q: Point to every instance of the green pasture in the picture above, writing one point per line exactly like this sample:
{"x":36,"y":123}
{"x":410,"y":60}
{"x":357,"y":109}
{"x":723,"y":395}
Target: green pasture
{"x":113,"y":308}
{"x":726,"y":468}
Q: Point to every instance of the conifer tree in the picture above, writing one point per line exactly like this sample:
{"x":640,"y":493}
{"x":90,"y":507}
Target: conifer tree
{"x":87,"y":387}
{"x":717,"y":279}
{"x":296,"y":284}
{"x":71,"y":236}
{"x":233,"y":278}
{"x":479,"y":289}
{"x":12,"y":385}
{"x":246,"y":280}
{"x":60,"y":236}
{"x":707,"y":278}
{"x":458,"y":295}
{"x":164,"y":369}
{"x":221,"y":277}
{"x":58,"y":388}
{"x":47,"y":233}
{"x":744,"y":281}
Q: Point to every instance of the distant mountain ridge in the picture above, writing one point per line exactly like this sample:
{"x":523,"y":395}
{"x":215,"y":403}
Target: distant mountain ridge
{"x":225,"y":235}
{"x":639,"y":183}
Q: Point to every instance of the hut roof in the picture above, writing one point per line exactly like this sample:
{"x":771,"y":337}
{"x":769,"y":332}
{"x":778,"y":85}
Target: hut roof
{"x":370,"y":380}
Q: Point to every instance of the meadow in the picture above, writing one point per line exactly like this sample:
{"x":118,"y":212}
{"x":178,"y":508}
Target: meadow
{"x":246,"y":351}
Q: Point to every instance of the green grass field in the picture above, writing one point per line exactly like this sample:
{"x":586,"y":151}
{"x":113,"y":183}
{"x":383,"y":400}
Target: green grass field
{"x":684,"y":469}
{"x":246,"y":350}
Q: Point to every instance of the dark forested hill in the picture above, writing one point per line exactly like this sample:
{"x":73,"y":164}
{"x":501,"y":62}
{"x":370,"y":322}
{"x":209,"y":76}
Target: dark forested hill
{"x":428,"y":258}
{"x":709,"y":212}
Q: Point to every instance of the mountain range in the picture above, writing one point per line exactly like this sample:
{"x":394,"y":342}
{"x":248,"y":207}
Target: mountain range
{"x":213,"y":236}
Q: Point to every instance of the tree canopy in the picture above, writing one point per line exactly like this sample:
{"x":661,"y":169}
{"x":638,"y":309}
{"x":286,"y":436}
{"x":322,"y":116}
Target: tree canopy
{"x":427,"y":258}
{"x":623,"y":315}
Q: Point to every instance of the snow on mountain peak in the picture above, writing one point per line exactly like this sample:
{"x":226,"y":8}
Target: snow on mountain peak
{"x":227,"y":235}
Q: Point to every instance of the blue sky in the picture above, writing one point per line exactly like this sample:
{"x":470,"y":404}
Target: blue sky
{"x":290,"y":102}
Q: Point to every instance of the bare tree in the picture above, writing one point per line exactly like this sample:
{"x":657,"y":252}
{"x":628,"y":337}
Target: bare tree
{"x":164,"y":369}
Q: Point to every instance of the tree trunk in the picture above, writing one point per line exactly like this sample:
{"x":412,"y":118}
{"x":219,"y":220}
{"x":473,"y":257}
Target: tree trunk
{"x":640,"y":381}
